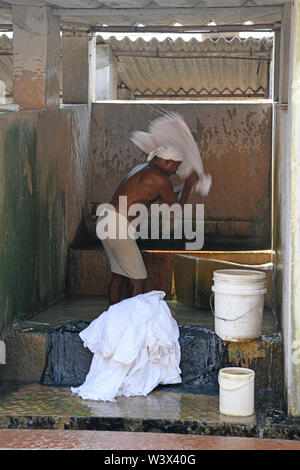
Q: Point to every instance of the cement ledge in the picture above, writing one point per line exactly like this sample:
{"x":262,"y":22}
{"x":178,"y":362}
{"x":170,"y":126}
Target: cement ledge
{"x":39,"y":407}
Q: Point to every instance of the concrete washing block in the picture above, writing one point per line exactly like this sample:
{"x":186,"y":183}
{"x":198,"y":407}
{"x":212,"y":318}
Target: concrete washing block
{"x":194,"y":279}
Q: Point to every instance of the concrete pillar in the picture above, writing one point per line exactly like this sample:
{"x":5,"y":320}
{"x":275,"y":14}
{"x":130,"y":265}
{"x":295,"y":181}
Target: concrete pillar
{"x":276,"y":64}
{"x":293,"y":346}
{"x":289,"y":209}
{"x":36,"y":44}
{"x":106,"y":73}
{"x":284,"y":54}
{"x":79,"y":66}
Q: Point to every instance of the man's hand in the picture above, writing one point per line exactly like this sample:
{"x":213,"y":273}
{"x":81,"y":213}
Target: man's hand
{"x":167,"y":193}
{"x":178,"y":189}
{"x":192,"y":179}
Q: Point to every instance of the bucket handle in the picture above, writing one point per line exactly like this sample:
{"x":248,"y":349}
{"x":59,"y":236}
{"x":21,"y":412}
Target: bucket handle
{"x":237,"y":318}
{"x":232,"y":389}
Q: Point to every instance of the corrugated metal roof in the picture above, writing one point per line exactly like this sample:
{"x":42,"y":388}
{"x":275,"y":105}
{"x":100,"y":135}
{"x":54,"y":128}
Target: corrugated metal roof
{"x":162,"y":74}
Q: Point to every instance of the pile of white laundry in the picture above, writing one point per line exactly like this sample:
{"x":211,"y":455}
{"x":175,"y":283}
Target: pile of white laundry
{"x":136,"y":347}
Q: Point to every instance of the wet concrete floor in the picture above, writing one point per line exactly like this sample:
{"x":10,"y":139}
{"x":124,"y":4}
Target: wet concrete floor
{"x":35,"y":406}
{"x":87,"y":308}
{"x":109,"y":440}
{"x":172,"y":409}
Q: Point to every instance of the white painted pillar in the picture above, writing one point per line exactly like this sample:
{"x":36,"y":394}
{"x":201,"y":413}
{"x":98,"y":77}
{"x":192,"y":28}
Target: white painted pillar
{"x":36,"y":44}
{"x":276,"y":64}
{"x":79,"y":66}
{"x":106,"y":73}
{"x":284,"y":54}
{"x":288,"y":251}
{"x":293,"y":343}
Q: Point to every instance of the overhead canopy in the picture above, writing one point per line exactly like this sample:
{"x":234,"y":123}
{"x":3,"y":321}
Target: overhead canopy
{"x":159,"y":12}
{"x":97,"y":13}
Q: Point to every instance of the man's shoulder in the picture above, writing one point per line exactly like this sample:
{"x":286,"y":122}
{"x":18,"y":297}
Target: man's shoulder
{"x":155,"y":174}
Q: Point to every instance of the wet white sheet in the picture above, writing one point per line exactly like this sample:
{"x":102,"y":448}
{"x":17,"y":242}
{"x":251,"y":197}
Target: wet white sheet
{"x":136,"y":347}
{"x":171,"y":128}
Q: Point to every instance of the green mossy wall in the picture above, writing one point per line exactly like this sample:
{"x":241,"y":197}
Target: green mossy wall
{"x":19,"y":218}
{"x":41,"y":167}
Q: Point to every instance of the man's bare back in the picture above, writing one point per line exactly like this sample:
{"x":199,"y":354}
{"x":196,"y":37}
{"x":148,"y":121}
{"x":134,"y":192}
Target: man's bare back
{"x":141,"y":185}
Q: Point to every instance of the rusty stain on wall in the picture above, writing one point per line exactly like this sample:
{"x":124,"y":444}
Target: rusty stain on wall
{"x":27,"y":172}
{"x":242,"y":354}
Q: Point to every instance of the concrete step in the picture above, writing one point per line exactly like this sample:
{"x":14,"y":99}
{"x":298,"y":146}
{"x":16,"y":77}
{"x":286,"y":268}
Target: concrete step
{"x":47,"y":348}
{"x":35,"y":406}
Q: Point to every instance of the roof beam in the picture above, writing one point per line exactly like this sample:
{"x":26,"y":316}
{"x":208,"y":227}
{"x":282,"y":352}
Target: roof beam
{"x":131,"y":16}
{"x":6,"y":27}
{"x":163,"y":29}
{"x":187,"y":29}
{"x":250,"y":55}
{"x":170,"y":11}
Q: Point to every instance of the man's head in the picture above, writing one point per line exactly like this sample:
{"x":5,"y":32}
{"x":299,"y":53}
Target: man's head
{"x":167,"y":166}
{"x":168,"y":157}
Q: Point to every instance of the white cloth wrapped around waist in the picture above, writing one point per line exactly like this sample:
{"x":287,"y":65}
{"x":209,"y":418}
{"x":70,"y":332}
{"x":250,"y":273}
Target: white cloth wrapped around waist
{"x":112,"y":224}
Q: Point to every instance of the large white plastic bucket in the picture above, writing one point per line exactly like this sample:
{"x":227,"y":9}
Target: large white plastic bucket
{"x":236,"y":396}
{"x":238,"y":303}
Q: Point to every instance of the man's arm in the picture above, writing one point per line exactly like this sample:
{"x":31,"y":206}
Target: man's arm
{"x":168,"y":195}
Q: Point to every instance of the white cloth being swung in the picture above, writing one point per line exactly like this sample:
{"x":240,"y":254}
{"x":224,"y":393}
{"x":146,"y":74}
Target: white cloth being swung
{"x":170,"y":138}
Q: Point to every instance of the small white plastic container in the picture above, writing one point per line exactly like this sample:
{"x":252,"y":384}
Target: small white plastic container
{"x":236,"y":396}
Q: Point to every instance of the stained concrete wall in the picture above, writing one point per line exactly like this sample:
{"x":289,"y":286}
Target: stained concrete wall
{"x":235,"y":141}
{"x":36,"y":48}
{"x":43,"y":188}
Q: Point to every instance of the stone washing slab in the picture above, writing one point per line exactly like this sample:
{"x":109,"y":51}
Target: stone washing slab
{"x":28,"y":344}
{"x":68,"y":362}
{"x":193,"y":278}
{"x":55,"y":355}
{"x":203,"y":354}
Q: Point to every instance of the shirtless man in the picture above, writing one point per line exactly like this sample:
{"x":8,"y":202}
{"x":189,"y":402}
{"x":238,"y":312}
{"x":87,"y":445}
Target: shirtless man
{"x":144,"y":184}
